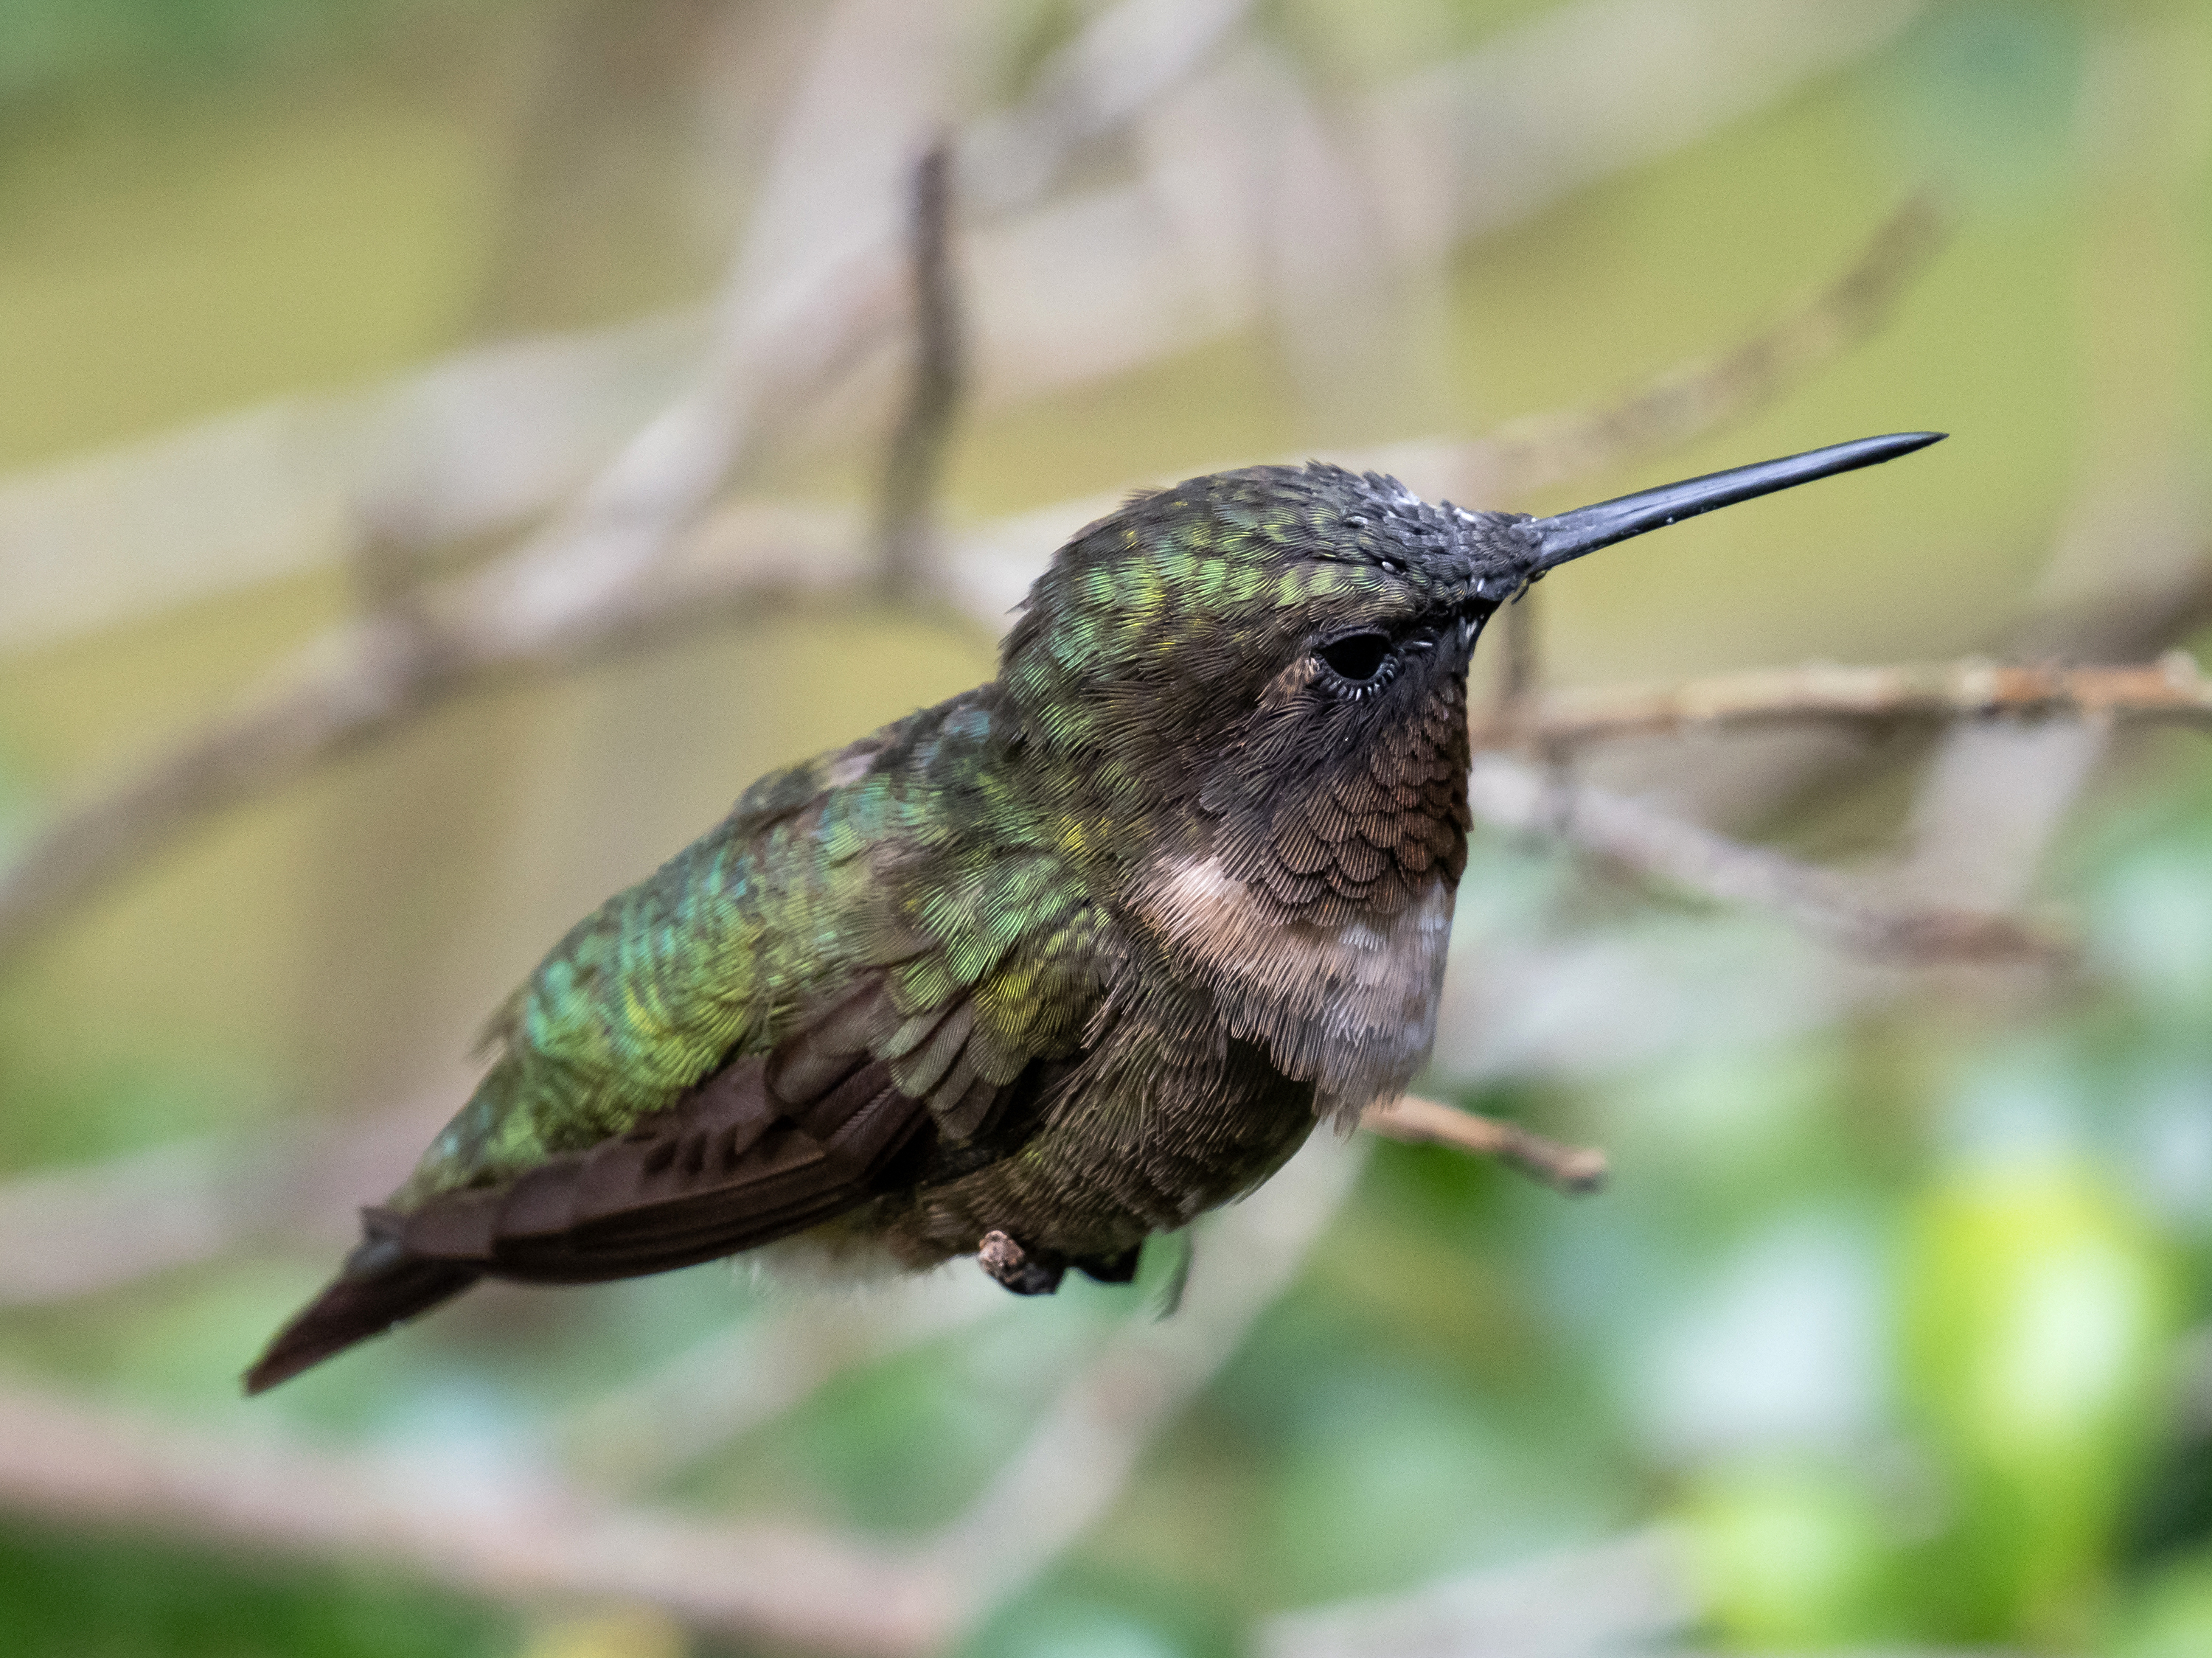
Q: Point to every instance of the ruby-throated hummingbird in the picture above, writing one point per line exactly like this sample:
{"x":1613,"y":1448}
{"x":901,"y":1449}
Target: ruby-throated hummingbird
{"x":1060,"y":964}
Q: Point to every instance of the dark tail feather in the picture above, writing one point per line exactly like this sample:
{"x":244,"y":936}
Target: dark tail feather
{"x":381,"y":1283}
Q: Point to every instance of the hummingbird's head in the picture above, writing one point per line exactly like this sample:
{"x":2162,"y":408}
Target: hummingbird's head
{"x":1248,"y":619}
{"x":1249,"y":637}
{"x":1335,"y":599}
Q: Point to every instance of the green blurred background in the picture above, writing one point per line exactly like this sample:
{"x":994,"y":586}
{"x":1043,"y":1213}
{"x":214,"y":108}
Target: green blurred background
{"x":1897,"y":1316}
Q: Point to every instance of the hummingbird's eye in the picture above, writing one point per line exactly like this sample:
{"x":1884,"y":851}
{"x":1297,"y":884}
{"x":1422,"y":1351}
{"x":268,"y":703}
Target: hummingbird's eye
{"x":1357,"y":657}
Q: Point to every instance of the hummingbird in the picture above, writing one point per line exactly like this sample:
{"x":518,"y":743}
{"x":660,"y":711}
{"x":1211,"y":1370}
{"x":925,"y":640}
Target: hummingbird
{"x":1056,"y":965}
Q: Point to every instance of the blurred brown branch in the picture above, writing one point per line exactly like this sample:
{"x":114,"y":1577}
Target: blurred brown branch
{"x":2172,"y":690}
{"x":1084,"y":1448}
{"x":1525,"y":799}
{"x":524,"y":1538}
{"x":494,"y":437}
{"x":1572,"y":1168}
{"x":915,"y":459}
{"x":1694,"y":398}
{"x":508,"y":1539}
{"x":632,"y":1437}
{"x":75,"y":1231}
{"x":367,"y":679}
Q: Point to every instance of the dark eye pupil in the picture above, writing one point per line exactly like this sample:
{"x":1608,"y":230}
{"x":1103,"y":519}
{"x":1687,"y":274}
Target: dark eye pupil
{"x":1359,"y":657}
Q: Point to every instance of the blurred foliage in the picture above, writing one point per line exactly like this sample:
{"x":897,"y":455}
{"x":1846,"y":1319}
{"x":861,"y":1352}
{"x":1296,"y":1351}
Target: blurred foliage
{"x":52,"y":46}
{"x":1892,"y":1318}
{"x":87,"y":1596}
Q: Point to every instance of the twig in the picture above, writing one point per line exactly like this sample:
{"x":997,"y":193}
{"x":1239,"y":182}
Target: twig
{"x":1083,"y":1451}
{"x":1571,"y":1168}
{"x":1514,"y":796}
{"x":1627,"y":1594}
{"x":524,"y":1539}
{"x":1129,"y":56}
{"x":1694,"y":398}
{"x":775,"y":351}
{"x":77,"y":1231}
{"x":636,"y":1435}
{"x":506,"y":1539}
{"x":367,"y":680}
{"x":357,"y":684}
{"x":2171,"y":690}
{"x":916,"y":454}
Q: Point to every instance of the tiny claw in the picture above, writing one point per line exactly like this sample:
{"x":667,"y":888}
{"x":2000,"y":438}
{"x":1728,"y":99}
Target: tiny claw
{"x":1118,"y":1268}
{"x":1014,"y":1267}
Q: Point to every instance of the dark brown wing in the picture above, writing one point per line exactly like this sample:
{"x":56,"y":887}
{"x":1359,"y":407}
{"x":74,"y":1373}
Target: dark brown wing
{"x":379,"y":1286}
{"x":767,"y":1146}
{"x":731,"y":1164}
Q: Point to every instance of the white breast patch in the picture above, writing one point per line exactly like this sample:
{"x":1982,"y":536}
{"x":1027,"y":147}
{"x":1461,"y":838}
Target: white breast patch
{"x":1352,"y":1006}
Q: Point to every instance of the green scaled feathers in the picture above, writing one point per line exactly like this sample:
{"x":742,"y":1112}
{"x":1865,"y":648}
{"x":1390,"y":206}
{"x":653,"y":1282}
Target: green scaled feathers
{"x":907,"y":851}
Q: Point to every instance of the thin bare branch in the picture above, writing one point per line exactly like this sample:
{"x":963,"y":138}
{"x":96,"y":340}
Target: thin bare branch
{"x":1571,"y":1168}
{"x":1694,"y":397}
{"x":358,"y":684}
{"x":1632,"y":1594}
{"x":496,"y":437}
{"x":2172,"y":690}
{"x":635,"y":1436}
{"x":1834,"y":908}
{"x":1086,"y":1446}
{"x":75,"y":1231}
{"x":527,"y":1539}
{"x":506,"y":1539}
{"x":1129,"y":56}
{"x":915,"y":459}
{"x":367,"y":680}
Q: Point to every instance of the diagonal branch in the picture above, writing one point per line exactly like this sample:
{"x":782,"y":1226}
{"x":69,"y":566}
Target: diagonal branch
{"x":507,"y":1539}
{"x":1694,"y":398}
{"x":916,"y":459}
{"x":1576,"y":1169}
{"x":1075,"y":1463}
{"x":635,"y":1436}
{"x":366,"y":680}
{"x":528,"y":1540}
{"x":1834,"y":908}
{"x":76,"y":1232}
{"x":2172,"y":690}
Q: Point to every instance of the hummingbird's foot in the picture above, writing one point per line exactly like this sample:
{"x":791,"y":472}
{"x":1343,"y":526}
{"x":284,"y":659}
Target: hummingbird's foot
{"x":1023,"y":1273}
{"x":1110,"y":1269}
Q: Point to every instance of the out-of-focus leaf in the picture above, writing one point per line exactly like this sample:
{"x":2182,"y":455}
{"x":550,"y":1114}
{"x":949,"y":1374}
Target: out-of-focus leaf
{"x":2170,"y":1617}
{"x":76,"y":1595}
{"x":43,"y":42}
{"x":2153,"y":927}
{"x":1791,"y":1556}
{"x":627,"y":1632}
{"x":2036,"y":1311}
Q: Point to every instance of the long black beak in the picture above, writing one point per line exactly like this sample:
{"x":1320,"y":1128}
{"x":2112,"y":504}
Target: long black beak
{"x":1570,"y":535}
